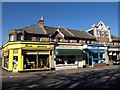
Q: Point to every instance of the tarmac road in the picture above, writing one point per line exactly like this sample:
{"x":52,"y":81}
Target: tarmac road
{"x":99,"y":77}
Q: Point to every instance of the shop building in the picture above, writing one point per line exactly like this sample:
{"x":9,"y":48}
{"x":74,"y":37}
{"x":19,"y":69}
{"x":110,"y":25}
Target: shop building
{"x":24,"y":56}
{"x":96,"y":54}
{"x":40,"y":47}
{"x":68,"y":56}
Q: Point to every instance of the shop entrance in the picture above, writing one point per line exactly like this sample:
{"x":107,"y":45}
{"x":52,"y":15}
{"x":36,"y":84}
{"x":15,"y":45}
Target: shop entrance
{"x":90,"y":61}
{"x":15,"y":63}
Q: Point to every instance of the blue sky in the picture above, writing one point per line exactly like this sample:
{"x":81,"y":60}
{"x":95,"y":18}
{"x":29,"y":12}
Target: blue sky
{"x":74,"y":15}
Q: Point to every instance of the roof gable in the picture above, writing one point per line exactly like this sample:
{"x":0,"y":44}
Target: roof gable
{"x":102,"y":26}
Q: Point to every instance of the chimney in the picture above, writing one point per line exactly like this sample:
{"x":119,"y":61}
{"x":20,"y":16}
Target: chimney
{"x":41,"y":22}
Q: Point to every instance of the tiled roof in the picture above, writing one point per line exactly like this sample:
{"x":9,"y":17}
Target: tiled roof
{"x":69,"y":32}
{"x":81,"y":34}
{"x":51,"y":30}
{"x":34,"y":29}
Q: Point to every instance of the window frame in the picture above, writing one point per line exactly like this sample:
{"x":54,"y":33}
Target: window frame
{"x":11,"y":37}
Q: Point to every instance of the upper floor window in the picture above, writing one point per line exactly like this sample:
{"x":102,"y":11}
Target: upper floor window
{"x":70,"y":41}
{"x":53,"y":39}
{"x":38,"y":38}
{"x":19,"y":36}
{"x":102,"y":34}
{"x":107,"y":35}
{"x":98,"y":33}
{"x":59,"y":40}
{"x":11,"y":37}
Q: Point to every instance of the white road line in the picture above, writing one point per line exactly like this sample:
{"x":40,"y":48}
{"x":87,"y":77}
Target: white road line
{"x":74,"y":85}
{"x":32,"y":86}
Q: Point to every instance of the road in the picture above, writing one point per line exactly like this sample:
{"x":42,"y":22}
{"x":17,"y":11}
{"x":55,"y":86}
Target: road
{"x":76,"y":78}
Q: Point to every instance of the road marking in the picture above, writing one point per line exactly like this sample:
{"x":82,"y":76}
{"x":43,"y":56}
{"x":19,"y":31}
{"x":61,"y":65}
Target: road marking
{"x":74,"y":85}
{"x":32,"y":86}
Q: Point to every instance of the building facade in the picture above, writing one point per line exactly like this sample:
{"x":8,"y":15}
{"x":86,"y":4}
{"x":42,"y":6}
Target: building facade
{"x":40,"y":47}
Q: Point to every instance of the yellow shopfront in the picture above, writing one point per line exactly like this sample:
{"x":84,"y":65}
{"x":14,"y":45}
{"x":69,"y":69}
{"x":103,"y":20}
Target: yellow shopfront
{"x":25,"y":56}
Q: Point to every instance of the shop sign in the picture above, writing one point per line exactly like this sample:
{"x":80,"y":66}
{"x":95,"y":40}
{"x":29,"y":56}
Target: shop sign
{"x":37,"y":52}
{"x":68,"y":47}
{"x":15,"y":51}
{"x":40,"y":46}
{"x":6,"y":53}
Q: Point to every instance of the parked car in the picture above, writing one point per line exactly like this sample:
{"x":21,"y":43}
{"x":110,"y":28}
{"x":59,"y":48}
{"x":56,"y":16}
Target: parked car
{"x":116,"y":62}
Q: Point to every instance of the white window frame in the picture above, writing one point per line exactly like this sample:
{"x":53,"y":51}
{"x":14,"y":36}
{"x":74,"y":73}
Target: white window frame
{"x":107,"y":35}
{"x":11,"y":37}
{"x":98,"y":33}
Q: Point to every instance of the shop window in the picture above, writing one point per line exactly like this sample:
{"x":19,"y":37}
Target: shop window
{"x":30,"y":62}
{"x":70,"y":41}
{"x":6,"y":61}
{"x":19,"y":36}
{"x":43,"y":61}
{"x":60,"y":60}
{"x":101,"y":55}
{"x":95,"y":55}
{"x":70,"y":60}
{"x":11,"y":37}
{"x":38,"y":38}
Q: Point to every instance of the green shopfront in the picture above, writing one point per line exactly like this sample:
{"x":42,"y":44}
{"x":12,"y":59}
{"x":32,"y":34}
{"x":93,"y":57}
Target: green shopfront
{"x":95,"y":54}
{"x":68,"y":56}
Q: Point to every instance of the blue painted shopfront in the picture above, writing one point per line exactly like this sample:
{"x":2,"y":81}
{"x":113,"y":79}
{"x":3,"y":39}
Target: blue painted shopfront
{"x":94,"y":54}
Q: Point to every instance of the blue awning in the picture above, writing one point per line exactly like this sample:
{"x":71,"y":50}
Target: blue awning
{"x":98,"y":58}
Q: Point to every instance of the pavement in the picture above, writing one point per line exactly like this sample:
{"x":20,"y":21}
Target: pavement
{"x":27,"y":74}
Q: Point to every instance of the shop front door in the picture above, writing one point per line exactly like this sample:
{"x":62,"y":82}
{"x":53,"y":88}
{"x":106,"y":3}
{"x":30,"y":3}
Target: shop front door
{"x":90,"y":61}
{"x":15,"y":63}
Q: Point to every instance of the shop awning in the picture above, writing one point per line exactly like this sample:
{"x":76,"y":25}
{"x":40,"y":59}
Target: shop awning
{"x":68,"y":52}
{"x":97,"y":50}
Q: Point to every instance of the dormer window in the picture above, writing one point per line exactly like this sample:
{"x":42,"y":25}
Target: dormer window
{"x":53,"y":39}
{"x":19,"y":36}
{"x":38,"y":38}
{"x":59,"y":40}
{"x":11,"y":37}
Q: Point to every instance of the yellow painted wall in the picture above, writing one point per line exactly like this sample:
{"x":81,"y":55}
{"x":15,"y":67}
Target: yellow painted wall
{"x":11,"y":46}
{"x":10,"y":61}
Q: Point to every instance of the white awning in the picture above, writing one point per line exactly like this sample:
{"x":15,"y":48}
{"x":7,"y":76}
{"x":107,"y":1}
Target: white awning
{"x":114,"y":49}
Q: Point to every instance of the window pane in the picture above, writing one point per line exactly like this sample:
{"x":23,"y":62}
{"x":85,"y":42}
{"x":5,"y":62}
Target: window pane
{"x":11,"y":38}
{"x":19,"y":37}
{"x":37,"y":38}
